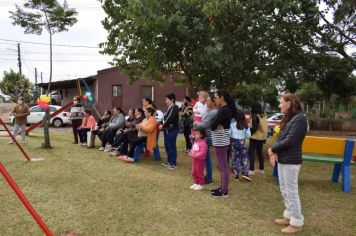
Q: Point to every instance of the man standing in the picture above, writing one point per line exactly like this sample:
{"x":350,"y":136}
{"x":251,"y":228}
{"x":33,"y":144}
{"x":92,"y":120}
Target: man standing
{"x":76,"y":115}
{"x":20,"y":112}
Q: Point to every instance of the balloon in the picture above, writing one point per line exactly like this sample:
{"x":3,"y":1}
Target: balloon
{"x":85,"y":97}
{"x":47,"y":99}
{"x":40,"y":102}
{"x":276,"y":129}
{"x":88,"y":93}
{"x":45,"y":106}
{"x":42,"y":97}
{"x":90,"y":99}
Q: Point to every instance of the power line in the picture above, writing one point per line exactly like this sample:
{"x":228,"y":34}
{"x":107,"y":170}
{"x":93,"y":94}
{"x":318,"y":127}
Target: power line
{"x":58,"y":45}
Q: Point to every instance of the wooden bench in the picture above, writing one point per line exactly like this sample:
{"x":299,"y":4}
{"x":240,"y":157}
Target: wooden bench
{"x":337,"y":151}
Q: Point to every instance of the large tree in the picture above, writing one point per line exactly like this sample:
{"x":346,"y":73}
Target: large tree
{"x":225,"y":41}
{"x":15,"y":85}
{"x":38,"y":15}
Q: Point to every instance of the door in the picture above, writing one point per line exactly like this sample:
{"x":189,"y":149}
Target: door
{"x":36,"y":114}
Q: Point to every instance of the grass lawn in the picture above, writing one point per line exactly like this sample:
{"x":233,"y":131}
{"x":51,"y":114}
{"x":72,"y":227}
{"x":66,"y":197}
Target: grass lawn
{"x":87,"y":191}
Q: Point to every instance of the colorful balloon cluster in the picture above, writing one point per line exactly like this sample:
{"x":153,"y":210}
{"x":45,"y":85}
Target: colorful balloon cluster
{"x":88,"y":96}
{"x":43,"y":102}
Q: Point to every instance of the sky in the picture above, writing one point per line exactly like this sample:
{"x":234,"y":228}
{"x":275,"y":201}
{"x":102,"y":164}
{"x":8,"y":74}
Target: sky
{"x":68,"y":62}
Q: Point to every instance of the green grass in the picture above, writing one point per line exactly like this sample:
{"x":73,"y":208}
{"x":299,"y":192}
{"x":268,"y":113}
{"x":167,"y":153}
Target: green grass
{"x":87,"y":191}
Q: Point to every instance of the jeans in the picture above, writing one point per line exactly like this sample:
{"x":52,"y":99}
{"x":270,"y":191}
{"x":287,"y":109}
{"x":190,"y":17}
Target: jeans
{"x":221,"y":159}
{"x":83,"y":135}
{"x":170,"y":138}
{"x":256,"y":145}
{"x":208,"y":164}
{"x":288,"y":184}
{"x":23,"y":131}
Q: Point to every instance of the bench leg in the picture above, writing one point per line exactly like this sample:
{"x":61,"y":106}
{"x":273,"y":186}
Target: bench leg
{"x":275,"y":172}
{"x":156,"y":153}
{"x":346,"y":184}
{"x":336,"y":173}
{"x":138,"y":151}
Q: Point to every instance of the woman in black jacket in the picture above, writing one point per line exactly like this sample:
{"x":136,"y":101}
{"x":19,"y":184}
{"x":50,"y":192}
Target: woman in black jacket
{"x":287,"y":151}
{"x":169,"y":125}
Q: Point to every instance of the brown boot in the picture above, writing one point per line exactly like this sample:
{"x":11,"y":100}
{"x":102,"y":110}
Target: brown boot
{"x":290,"y":229}
{"x":283,"y":221}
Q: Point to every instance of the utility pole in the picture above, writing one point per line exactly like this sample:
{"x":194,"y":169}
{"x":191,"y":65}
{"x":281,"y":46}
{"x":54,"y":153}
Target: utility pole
{"x":19,"y":58}
{"x":41,"y":82}
{"x":35,"y":94}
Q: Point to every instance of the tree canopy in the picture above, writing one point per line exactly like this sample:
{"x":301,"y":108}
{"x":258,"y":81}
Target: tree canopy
{"x":15,"y":85}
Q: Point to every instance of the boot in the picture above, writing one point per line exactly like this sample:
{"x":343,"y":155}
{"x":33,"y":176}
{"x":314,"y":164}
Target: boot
{"x":290,"y":229}
{"x":283,"y":221}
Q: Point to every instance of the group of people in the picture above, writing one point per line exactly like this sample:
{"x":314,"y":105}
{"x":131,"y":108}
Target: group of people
{"x":213,"y":122}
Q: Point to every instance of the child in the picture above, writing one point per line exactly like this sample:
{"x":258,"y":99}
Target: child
{"x":239,"y":131}
{"x":198,"y":152}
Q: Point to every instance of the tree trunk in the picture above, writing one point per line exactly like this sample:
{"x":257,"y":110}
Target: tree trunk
{"x":47,"y":142}
{"x":46,"y":119}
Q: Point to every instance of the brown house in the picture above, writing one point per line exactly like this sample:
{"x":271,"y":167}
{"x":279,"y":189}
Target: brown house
{"x":111,"y":88}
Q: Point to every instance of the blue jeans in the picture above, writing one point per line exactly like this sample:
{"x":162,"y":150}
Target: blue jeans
{"x":170,"y":138}
{"x":208,"y":164}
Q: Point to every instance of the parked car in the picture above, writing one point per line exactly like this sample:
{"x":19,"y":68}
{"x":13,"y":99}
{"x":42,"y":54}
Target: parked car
{"x":37,"y":113}
{"x":274,"y":120}
{"x":159,"y":115}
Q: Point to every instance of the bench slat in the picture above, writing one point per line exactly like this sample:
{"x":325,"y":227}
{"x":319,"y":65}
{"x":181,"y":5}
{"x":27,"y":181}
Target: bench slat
{"x":325,"y":159}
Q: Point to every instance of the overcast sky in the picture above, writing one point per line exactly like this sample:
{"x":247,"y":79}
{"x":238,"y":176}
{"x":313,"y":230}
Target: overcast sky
{"x":68,"y":62}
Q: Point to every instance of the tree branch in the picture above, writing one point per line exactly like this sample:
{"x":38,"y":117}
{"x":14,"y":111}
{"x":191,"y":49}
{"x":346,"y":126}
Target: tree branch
{"x":341,"y":32}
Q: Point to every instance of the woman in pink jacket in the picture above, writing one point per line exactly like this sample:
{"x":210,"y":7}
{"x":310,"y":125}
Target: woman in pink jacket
{"x":198,"y":152}
{"x":88,"y":124}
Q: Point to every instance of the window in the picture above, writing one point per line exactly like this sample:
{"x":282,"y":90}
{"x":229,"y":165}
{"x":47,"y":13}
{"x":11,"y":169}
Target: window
{"x":36,"y":109}
{"x":116,"y":90}
{"x":52,"y":109}
{"x":147,"y":92}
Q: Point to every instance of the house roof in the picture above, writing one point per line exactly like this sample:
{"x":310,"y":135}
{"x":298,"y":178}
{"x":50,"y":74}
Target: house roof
{"x":63,"y":84}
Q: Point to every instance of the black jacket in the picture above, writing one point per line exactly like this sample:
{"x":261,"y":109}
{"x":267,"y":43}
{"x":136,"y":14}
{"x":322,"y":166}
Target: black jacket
{"x":171,"y":118}
{"x":288,"y":145}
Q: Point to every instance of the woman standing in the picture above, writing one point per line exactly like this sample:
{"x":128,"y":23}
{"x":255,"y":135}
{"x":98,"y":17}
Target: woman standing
{"x":169,"y":125}
{"x":259,"y":128}
{"x":287,"y":150}
{"x":206,"y":122}
{"x":221,"y":139}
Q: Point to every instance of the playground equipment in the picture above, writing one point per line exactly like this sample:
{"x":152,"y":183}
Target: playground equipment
{"x":18,"y":145}
{"x":24,"y":200}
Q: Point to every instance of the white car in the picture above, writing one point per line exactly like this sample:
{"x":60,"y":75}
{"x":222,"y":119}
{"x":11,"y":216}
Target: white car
{"x":274,"y":120}
{"x":37,"y":113}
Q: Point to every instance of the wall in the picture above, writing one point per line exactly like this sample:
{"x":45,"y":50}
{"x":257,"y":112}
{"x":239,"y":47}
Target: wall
{"x":131,"y":94}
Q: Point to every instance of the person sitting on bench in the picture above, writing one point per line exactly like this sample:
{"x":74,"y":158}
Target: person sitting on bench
{"x":147,"y":133}
{"x":88,"y":124}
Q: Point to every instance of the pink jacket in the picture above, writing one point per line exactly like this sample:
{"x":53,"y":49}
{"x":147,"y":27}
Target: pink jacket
{"x":91,"y":123}
{"x":199,"y":149}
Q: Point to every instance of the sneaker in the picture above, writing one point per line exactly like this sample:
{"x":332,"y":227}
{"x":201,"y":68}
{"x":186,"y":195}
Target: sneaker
{"x":208,"y":182}
{"x":114,"y":153}
{"x":11,"y":142}
{"x":251,"y":173}
{"x":101,"y":149}
{"x":109,"y":149}
{"x":123,"y":157}
{"x":172,"y":167}
{"x":260,"y":171}
{"x":193,"y":186}
{"x":23,"y":142}
{"x":129,"y":159}
{"x":198,"y":187}
{"x":236,"y":178}
{"x":165,"y":164}
{"x":246,"y":177}
{"x":84,"y":144}
{"x":220,"y":194}
{"x":215,"y":190}
{"x":79,"y":144}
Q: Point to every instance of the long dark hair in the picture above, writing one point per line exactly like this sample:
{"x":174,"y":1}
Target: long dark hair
{"x":295,"y":106}
{"x":228,"y":99}
{"x":240,"y":120}
{"x":256,"y":109}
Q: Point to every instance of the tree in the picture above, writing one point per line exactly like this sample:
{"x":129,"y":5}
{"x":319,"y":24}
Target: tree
{"x":36,"y":15}
{"x":338,"y":33}
{"x":15,"y":85}
{"x":224,"y":41}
